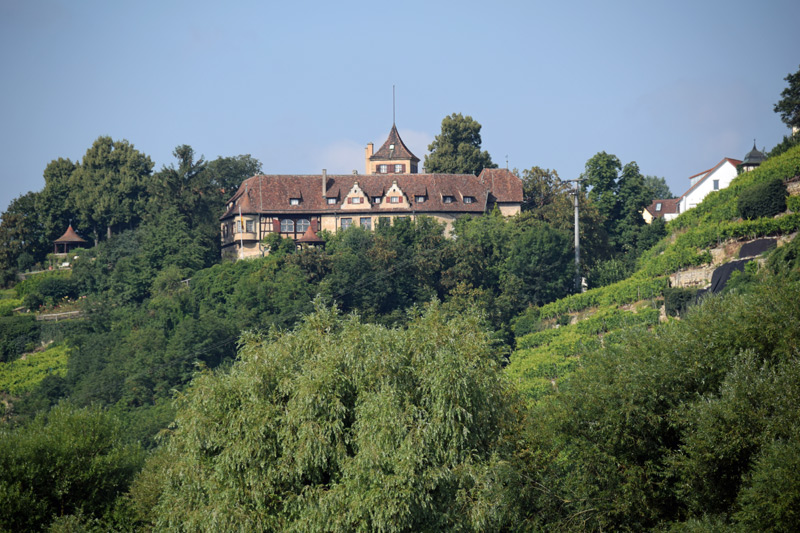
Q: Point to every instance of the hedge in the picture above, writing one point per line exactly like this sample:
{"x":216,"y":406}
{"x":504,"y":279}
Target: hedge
{"x":765,"y":199}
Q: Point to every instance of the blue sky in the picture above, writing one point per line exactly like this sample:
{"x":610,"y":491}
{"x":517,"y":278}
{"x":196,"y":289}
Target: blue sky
{"x":673,"y":85}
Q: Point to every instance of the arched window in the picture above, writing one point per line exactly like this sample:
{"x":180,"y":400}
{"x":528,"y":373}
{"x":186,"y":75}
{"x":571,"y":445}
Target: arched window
{"x":302,"y":225}
{"x":287,"y":225}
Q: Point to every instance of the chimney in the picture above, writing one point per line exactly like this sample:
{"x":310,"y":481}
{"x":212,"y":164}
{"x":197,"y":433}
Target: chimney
{"x":370,"y":147}
{"x":324,"y":183}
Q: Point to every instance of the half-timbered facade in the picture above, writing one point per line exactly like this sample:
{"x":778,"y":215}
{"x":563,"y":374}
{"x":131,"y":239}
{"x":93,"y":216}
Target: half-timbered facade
{"x":296,"y":206}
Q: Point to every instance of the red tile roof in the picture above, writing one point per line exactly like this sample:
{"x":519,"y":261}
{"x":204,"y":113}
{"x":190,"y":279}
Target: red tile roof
{"x":504,"y":185}
{"x":272,"y":193}
{"x":399,"y":152}
{"x":69,"y":236}
{"x":668,"y":206}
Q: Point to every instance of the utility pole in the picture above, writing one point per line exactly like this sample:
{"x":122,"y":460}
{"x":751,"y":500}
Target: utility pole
{"x":575,"y":194}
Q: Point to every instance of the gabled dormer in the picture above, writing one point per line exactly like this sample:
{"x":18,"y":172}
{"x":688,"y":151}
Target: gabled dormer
{"x":393,"y":157}
{"x":356,"y":198}
{"x":395,"y":198}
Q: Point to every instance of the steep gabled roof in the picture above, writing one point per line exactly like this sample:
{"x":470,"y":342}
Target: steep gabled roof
{"x":707,"y":173}
{"x":69,"y":236}
{"x":399,"y":151}
{"x":504,"y":185}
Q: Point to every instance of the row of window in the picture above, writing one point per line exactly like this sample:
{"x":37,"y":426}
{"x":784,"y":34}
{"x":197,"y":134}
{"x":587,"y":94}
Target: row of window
{"x":395,"y":169}
{"x":365,"y":222}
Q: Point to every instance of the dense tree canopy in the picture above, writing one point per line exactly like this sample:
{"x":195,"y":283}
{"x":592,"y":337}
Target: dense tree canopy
{"x":789,"y":104}
{"x":343,"y":426}
{"x":457,"y":149}
{"x":108,"y":189}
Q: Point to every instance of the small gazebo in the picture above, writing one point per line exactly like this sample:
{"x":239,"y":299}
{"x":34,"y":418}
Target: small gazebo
{"x":310,"y":238}
{"x":68,"y":242}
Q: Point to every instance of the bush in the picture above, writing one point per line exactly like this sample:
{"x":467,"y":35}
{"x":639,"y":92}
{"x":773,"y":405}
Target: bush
{"x":793,"y":204}
{"x":762,"y":200}
{"x":677,"y":300}
{"x":18,"y":334}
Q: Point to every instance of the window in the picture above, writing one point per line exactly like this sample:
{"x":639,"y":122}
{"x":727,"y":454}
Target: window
{"x":419,"y":199}
{"x":448,"y":199}
{"x":331,"y":201}
{"x":287,"y":225}
{"x":239,"y":225}
{"x":376,"y":199}
{"x":658,"y":206}
{"x":250,"y":226}
{"x":398,"y":169}
{"x":294,"y":201}
{"x":366,"y":222}
{"x":383,"y":169}
{"x":355,"y":200}
{"x":394,"y":199}
{"x":346,"y":222}
{"x":302,"y":225}
{"x":716,"y":185}
{"x":469,"y":199}
{"x":384,"y":222}
{"x":413,"y":169}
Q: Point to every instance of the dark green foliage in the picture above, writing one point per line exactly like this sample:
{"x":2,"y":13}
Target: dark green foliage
{"x":789,"y":104}
{"x":18,"y":334}
{"x":21,"y":232}
{"x":457,"y":149}
{"x":765,"y":199}
{"x":343,"y":426}
{"x":677,"y":300}
{"x":683,"y":426}
{"x":66,"y":461}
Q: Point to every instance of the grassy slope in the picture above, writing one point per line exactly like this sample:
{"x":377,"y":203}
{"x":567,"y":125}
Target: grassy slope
{"x":544,"y":357}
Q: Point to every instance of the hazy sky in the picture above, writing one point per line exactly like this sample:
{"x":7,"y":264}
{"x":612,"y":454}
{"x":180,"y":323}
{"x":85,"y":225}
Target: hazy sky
{"x":301,"y":85}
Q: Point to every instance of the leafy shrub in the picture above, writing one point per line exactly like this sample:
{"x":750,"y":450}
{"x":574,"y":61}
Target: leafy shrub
{"x":762,"y":200}
{"x":793,"y":204}
{"x":18,"y":334}
{"x":32,"y":283}
{"x":7,"y":306}
{"x":677,"y":300}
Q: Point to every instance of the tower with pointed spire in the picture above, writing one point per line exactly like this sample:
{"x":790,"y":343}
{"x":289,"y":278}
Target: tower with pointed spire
{"x":393,"y":157}
{"x":753,"y":159}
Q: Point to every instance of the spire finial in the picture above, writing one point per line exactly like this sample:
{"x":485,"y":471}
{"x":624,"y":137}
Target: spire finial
{"x":393,"y":121}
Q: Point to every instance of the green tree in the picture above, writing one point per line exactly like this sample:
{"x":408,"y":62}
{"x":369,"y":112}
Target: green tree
{"x":109,"y":188}
{"x":54,"y":203}
{"x":657,"y":188}
{"x":457,"y":149}
{"x":21,"y":231}
{"x":601,"y":174}
{"x":789,"y":105}
{"x":227,"y":173}
{"x":66,"y":461}
{"x":540,"y":188}
{"x":344,"y":426}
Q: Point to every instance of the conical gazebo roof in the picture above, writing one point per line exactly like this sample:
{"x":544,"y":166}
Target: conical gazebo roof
{"x":310,"y":237}
{"x":69,"y":236}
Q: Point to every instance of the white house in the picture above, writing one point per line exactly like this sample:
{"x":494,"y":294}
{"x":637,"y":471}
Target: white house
{"x":708,"y":181}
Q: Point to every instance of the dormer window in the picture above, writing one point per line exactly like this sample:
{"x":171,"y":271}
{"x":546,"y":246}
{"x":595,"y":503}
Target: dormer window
{"x":391,"y":147}
{"x":419,"y":199}
{"x":376,"y":199}
{"x":469,"y":199}
{"x":394,"y":199}
{"x":331,"y":201}
{"x":658,"y":206}
{"x":398,"y":169}
{"x":355,"y":200}
{"x":383,"y":169}
{"x":448,"y":199}
{"x":294,"y":201}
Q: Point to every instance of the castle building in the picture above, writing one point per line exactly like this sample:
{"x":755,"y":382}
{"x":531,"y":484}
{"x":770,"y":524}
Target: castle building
{"x":297,"y":207}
